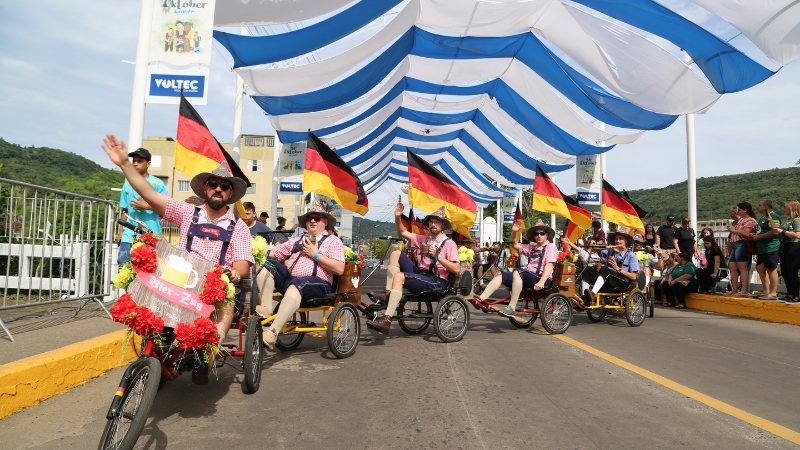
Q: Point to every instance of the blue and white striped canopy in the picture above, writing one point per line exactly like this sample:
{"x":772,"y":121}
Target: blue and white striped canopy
{"x":491,"y":89}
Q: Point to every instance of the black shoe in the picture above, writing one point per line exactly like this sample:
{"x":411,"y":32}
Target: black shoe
{"x":590,"y":296}
{"x":379,"y":297}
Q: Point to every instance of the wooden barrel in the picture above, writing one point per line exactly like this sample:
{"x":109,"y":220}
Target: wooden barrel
{"x":351,"y":281}
{"x":565,"y":277}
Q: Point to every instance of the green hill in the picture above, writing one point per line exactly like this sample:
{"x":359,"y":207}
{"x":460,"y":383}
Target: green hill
{"x":716,"y":195}
{"x":57,"y":169}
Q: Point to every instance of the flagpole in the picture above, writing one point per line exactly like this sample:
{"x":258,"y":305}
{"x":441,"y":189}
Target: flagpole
{"x":139,"y":90}
{"x":553,"y":216}
{"x":603,"y":177}
{"x":273,"y":207}
{"x":238,"y":106}
{"x":691,"y":172}
{"x":499,"y":234}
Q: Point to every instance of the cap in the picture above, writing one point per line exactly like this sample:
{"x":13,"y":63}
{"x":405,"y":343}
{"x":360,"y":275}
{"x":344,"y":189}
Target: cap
{"x":671,"y":217}
{"x":141,"y":152}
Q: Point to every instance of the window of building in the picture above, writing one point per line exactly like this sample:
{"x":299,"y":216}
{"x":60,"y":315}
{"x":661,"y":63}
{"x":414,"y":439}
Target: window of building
{"x":254,"y":141}
{"x":254,"y":165}
{"x":270,"y":142}
{"x":183,"y":186}
{"x":279,"y":212}
{"x":251,"y":189}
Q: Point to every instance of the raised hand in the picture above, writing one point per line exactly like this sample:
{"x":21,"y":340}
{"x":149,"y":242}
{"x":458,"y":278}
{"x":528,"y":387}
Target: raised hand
{"x":398,"y":211}
{"x":115,"y":149}
{"x":515,"y":228}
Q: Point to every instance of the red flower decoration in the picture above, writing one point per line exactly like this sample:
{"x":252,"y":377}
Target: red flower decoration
{"x":148,"y":238}
{"x":215,"y":289}
{"x":143,"y":258}
{"x":185,"y":335}
{"x":121,"y":310}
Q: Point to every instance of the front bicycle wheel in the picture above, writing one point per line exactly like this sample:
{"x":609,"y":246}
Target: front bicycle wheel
{"x":556,"y":313}
{"x":289,"y":340}
{"x":651,"y":298}
{"x":123,"y":429}
{"x":414,"y":316}
{"x":596,"y":314}
{"x":344,"y":327}
{"x":524,"y":319}
{"x":635,"y":308}
{"x":253,"y":355}
{"x":451,"y":319}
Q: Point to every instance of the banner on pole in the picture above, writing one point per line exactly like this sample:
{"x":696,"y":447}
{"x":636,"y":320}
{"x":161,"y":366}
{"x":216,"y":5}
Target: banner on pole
{"x":508,"y":205}
{"x":291,"y":160}
{"x":588,"y":183}
{"x":181,"y":36}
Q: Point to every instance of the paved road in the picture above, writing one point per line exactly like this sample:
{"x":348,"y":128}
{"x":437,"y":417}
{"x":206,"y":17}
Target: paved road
{"x":498,"y":388}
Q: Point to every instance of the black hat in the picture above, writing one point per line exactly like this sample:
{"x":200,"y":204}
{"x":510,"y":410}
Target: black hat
{"x":670,"y":218}
{"x":140,"y":152}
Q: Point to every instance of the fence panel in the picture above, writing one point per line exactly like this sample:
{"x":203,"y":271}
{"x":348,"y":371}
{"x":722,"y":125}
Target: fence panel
{"x":55,"y":247}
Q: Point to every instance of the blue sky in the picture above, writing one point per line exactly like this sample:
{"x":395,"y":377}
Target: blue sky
{"x":63,"y":85}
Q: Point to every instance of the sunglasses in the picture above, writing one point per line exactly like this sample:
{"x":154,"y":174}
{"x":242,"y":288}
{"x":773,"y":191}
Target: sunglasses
{"x":223,"y":185}
{"x":540,"y":233}
{"x":314,"y":219}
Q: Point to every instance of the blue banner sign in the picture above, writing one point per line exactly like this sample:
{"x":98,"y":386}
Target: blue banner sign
{"x":166,"y":85}
{"x":291,"y":186}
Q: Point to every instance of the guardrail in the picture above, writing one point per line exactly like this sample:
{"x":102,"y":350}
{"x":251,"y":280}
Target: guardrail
{"x":55,"y":247}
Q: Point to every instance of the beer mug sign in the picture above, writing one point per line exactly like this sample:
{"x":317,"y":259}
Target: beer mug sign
{"x":178,"y":271}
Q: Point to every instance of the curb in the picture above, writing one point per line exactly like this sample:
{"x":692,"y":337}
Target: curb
{"x":767,"y":310}
{"x":29,"y":381}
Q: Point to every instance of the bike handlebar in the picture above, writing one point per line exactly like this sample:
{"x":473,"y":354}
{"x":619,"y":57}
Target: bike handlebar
{"x":391,"y":239}
{"x":138,"y":228}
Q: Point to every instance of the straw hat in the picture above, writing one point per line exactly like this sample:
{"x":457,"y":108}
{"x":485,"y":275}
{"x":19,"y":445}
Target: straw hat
{"x":438,"y":214}
{"x":223,"y":172}
{"x":540,"y":226}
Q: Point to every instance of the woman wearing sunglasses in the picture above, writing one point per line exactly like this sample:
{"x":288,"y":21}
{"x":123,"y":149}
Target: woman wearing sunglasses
{"x":538,"y":274}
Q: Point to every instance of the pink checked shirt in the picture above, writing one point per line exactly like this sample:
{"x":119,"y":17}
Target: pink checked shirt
{"x":240,"y":249}
{"x":449,"y":251}
{"x":550,"y":256}
{"x":331,"y":247}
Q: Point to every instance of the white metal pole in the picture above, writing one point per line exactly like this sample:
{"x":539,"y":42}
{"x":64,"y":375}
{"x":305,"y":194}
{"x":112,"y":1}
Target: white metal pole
{"x":603,"y":177}
{"x":499,"y":235}
{"x":139,"y":91}
{"x":480,"y":227}
{"x":238,"y":106}
{"x":273,"y":207}
{"x":691,"y":169}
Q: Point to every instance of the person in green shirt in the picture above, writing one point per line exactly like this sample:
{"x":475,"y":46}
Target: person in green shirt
{"x":768,"y":244}
{"x":790,"y":260}
{"x":682,"y":281}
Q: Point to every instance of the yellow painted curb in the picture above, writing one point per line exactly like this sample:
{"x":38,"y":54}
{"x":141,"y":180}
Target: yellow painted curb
{"x":31,"y":380}
{"x":768,"y":310}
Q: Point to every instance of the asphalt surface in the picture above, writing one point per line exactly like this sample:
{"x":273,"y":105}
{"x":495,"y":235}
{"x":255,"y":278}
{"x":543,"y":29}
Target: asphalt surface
{"x":500,"y":387}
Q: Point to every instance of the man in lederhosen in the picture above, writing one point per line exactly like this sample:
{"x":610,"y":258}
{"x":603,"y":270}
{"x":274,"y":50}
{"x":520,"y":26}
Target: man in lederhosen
{"x":431,"y":271}
{"x":619,"y":271}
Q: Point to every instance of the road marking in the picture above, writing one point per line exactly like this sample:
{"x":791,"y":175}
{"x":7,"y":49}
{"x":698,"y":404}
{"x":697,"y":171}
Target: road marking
{"x":764,"y":424}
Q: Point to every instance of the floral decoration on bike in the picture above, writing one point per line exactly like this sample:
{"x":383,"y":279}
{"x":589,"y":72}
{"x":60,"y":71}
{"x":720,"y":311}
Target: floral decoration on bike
{"x":566,"y":258}
{"x":351,"y":255}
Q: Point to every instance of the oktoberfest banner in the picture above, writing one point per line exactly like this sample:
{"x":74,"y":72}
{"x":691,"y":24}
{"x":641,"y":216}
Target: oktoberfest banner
{"x":588,"y":180}
{"x":181,"y":36}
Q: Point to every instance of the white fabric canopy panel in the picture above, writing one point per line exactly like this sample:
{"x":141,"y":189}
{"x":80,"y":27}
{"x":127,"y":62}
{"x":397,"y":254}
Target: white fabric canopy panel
{"x":239,"y":13}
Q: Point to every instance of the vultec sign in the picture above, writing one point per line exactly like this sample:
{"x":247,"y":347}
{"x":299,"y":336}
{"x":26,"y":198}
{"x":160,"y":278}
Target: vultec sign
{"x":291,"y":186}
{"x":172,"y":85}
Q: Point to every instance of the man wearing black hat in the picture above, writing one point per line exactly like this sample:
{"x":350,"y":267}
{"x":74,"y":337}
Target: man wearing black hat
{"x":665,"y":236}
{"x":209,"y":231}
{"x":618,"y":273}
{"x":134,"y":207}
{"x":436,"y":259}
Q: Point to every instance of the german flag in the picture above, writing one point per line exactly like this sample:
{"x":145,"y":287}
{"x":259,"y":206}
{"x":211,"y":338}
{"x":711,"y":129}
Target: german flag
{"x":617,"y":209}
{"x":327,"y":174}
{"x":429,"y":189}
{"x":580,"y":219}
{"x":197,"y":150}
{"x":547,"y":197}
{"x":639,"y":211}
{"x":412,"y":224}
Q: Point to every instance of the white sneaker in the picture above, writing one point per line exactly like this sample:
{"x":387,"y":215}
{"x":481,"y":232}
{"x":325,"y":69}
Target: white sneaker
{"x":269,"y":337}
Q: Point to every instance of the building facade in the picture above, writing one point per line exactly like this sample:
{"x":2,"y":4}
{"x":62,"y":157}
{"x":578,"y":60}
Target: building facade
{"x":256,"y":159}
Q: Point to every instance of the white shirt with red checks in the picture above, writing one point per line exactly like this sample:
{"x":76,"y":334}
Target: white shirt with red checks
{"x":550,"y":255}
{"x":331,"y":247}
{"x":448,"y":250}
{"x":240,"y":248}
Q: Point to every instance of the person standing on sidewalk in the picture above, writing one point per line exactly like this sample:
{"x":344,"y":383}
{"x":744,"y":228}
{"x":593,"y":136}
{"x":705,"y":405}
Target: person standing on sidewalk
{"x":665,"y":236}
{"x":685,"y":238}
{"x":135,"y":207}
{"x":789,"y":231}
{"x":739,"y":266}
{"x":768,"y":246}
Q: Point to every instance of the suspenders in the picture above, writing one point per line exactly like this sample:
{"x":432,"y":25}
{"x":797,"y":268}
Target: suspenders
{"x":211,"y":232}
{"x":299,"y":246}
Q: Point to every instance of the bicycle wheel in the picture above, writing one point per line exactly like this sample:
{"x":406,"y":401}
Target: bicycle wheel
{"x":123,"y":430}
{"x":414,"y":325}
{"x":596,"y":314}
{"x":635,"y":308}
{"x":451,"y":319}
{"x":556,"y":313}
{"x":253,"y":355}
{"x":290,"y":340}
{"x":344,"y":327}
{"x":524,"y":319}
{"x":651,"y":299}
